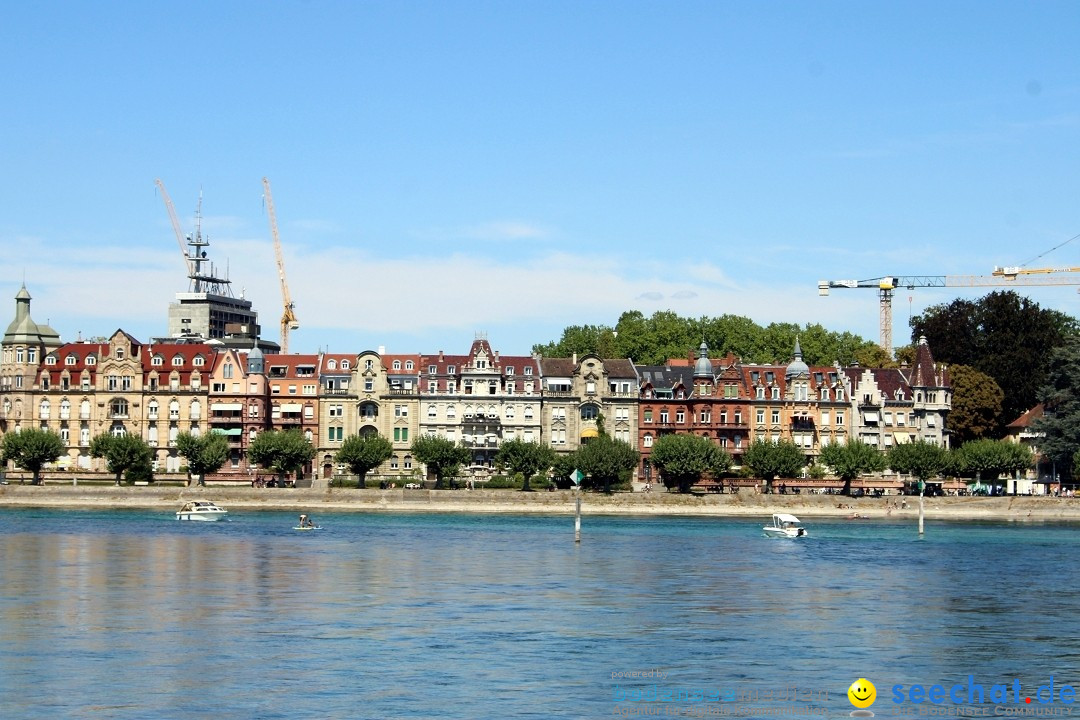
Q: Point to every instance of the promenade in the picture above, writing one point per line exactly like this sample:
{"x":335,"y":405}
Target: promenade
{"x":744,"y":504}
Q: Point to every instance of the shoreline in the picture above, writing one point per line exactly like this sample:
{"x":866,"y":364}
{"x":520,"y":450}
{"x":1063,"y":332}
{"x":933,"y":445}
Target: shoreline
{"x":1008,"y":508}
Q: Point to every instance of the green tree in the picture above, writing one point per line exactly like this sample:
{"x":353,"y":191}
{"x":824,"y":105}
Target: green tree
{"x":606,"y":461}
{"x":562,"y":467}
{"x":364,"y":453}
{"x":852,"y":459}
{"x":922,"y":459}
{"x":1004,"y":335}
{"x":124,"y":454}
{"x":442,"y":457}
{"x":1060,"y":423}
{"x":988,"y":459}
{"x":281,"y":451}
{"x":683,"y":458}
{"x":768,"y":460}
{"x":204,"y":453}
{"x":581,"y":339}
{"x":976,"y":405}
{"x":30,"y":449}
{"x":527,"y":458}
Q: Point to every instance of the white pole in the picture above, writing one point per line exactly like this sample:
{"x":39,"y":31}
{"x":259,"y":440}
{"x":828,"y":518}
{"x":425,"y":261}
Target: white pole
{"x":920,"y":512}
{"x":577,"y":520}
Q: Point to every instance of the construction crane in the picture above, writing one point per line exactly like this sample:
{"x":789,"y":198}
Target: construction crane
{"x":175,"y":223}
{"x":1007,"y":276}
{"x":288,"y":317}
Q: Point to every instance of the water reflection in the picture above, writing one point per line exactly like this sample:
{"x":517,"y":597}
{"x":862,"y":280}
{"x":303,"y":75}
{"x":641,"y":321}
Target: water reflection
{"x":129,"y":615}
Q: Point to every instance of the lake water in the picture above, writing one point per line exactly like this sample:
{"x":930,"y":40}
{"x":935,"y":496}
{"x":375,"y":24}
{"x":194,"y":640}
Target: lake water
{"x":131,"y":614}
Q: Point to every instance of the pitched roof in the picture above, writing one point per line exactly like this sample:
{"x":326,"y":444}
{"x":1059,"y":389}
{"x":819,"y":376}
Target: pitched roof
{"x":1027,"y":418}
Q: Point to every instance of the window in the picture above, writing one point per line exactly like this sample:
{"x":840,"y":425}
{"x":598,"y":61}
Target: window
{"x":309,"y":412}
{"x":510,"y":370}
{"x":760,"y":417}
{"x":839,"y":417}
{"x":589,"y":412}
{"x":331,"y":364}
{"x":528,"y":412}
{"x":368,"y":364}
{"x":509,"y":412}
{"x":70,"y":360}
{"x":775,"y":417}
{"x":776,"y":392}
{"x":174,"y":410}
{"x":706,"y":416}
{"x":432,"y":369}
{"x":759,"y":393}
{"x":196,"y":410}
{"x":344,"y":364}
{"x":401,"y":411}
{"x":84,"y":410}
{"x":824,"y":393}
{"x":199,"y":361}
{"x":336,"y":411}
{"x":118,"y":408}
{"x":65,"y":409}
{"x":408,"y":364}
{"x":369,"y":385}
{"x":394,"y":462}
{"x":647,"y":440}
{"x":887,"y":418}
{"x":528,"y":370}
{"x":401,"y":434}
{"x":408,"y":462}
{"x":839,"y":393}
{"x":664,"y":419}
{"x":451,"y":387}
{"x":590,"y":387}
{"x":825,"y":417}
{"x":680,"y":416}
{"x":44,"y":410}
{"x":292,"y":389}
{"x":397,"y":365}
{"x":431,"y":410}
{"x":91,"y":360}
{"x":178,"y":360}
{"x":335,"y":434}
{"x":157,"y":361}
{"x":451,"y":369}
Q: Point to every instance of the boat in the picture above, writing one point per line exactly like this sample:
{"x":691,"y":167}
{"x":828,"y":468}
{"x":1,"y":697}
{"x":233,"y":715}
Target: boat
{"x":307,"y":527}
{"x":784,"y":525}
{"x":201,"y":510}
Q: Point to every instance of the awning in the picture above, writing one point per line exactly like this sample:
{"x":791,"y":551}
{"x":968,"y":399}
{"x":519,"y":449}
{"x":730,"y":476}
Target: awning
{"x":870,"y":417}
{"x":590,"y":433}
{"x":228,"y":431}
{"x":291,"y":407}
{"x":226,"y":406}
{"x":903,"y":437}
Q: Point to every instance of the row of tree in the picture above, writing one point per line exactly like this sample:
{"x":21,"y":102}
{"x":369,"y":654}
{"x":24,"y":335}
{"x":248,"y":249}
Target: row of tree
{"x":653,"y":340}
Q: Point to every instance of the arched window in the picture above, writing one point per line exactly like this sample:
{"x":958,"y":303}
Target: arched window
{"x":174,"y":410}
{"x":65,"y":409}
{"x":152,"y":410}
{"x":397,"y":364}
{"x":344,"y":364}
{"x":408,"y":364}
{"x":45,"y":410}
{"x":331,"y":364}
{"x":196,"y":410}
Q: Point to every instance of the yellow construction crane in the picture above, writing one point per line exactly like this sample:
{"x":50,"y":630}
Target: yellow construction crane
{"x":288,"y":317}
{"x":175,"y":223}
{"x":1008,"y":276}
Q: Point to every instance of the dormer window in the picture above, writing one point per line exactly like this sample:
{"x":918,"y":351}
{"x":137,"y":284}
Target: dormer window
{"x":344,"y":364}
{"x":331,"y":364}
{"x":50,"y":359}
{"x":432,"y":369}
{"x":408,"y":364}
{"x":91,"y":360}
{"x":369,"y":364}
{"x":119,"y":352}
{"x":199,"y":361}
{"x":157,"y":361}
{"x":178,"y":361}
{"x":70,"y":360}
{"x":397,"y":364}
{"x":451,"y":369}
{"x":528,"y":370}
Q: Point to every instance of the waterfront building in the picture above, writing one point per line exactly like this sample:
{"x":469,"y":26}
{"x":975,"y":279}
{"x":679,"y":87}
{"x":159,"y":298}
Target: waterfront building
{"x":481,"y":399}
{"x":239,"y":400}
{"x":580,"y":393}
{"x":337,"y":408}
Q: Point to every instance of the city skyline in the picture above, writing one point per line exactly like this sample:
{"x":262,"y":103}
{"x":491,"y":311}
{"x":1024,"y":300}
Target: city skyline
{"x":440,"y":170}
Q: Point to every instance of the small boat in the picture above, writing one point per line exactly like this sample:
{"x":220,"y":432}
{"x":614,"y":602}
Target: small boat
{"x":201,"y":510}
{"x":307,"y":527}
{"x":785,"y":526}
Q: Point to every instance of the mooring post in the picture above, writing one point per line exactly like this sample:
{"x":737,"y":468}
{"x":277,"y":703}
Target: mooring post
{"x":577,"y":520}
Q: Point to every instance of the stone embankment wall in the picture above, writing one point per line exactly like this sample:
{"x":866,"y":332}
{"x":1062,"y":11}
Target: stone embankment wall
{"x":561,"y":502}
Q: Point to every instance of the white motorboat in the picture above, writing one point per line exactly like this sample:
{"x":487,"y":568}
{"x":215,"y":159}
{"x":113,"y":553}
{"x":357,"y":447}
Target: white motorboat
{"x":785,"y":526}
{"x":201,"y":510}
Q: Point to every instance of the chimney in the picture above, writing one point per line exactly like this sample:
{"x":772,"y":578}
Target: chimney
{"x":691,"y":356}
{"x":496,"y":356}
{"x":575,"y":358}
{"x":382,"y":350}
{"x":440,"y":356}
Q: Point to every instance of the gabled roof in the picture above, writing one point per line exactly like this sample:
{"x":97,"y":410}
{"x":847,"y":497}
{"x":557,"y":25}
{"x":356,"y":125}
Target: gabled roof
{"x":1027,"y":418}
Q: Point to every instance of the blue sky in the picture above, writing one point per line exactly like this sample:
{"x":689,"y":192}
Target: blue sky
{"x":444,"y":168}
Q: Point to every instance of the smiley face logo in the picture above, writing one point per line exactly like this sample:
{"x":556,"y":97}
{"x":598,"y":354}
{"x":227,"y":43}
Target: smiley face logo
{"x":862,"y":693}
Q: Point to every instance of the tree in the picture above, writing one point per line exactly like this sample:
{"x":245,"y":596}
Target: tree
{"x":124,"y":454}
{"x":204,"y":453}
{"x":976,"y":406}
{"x":1004,"y":335}
{"x":30,"y":449}
{"x":990,"y":458}
{"x":583,"y":340}
{"x":282,"y":451}
{"x":852,"y":459}
{"x":606,"y":461}
{"x":682,"y":459}
{"x":922,"y":459}
{"x":442,"y":457}
{"x":527,"y":458}
{"x":1060,"y":423}
{"x":768,"y":460}
{"x":364,"y":453}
